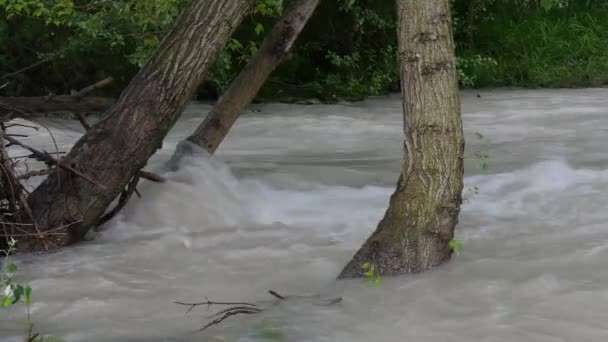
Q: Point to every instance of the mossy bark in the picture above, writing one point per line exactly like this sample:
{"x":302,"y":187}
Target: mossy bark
{"x":415,"y":232}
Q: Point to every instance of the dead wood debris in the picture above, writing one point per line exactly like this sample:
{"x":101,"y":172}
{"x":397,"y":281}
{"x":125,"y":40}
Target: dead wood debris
{"x":244,"y":308}
{"x":16,"y":218}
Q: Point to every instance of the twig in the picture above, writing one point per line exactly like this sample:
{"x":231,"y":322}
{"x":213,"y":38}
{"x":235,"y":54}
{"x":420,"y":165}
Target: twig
{"x":46,"y":157}
{"x":143,"y":174}
{"x":210,"y":303}
{"x":103,"y":83}
{"x":235,"y":308}
{"x":34,"y":156}
{"x":239,"y":308}
{"x":276,"y":295}
{"x":227,"y":315}
{"x":124,"y":198}
{"x":83,"y":121}
{"x":42,"y":61}
{"x":153,"y":177}
{"x":35,"y":173}
{"x":53,"y":231}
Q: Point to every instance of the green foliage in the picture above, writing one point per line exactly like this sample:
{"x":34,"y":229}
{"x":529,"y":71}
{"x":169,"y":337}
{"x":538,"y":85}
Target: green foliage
{"x":73,"y":38}
{"x":12,"y":292}
{"x":553,"y":43}
{"x":347,"y":50}
{"x":372,"y":274}
{"x":456,"y":246}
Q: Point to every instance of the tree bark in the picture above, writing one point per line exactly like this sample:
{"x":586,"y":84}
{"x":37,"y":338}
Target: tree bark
{"x":417,"y":227}
{"x":273,"y":51}
{"x":119,"y":145}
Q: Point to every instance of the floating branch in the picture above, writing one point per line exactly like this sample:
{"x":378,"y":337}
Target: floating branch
{"x":244,"y":308}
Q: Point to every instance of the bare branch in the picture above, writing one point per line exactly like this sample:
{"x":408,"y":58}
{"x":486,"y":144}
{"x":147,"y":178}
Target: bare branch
{"x":124,"y":198}
{"x":46,"y":157}
{"x":103,"y":83}
{"x":35,"y":173}
{"x":209,"y":303}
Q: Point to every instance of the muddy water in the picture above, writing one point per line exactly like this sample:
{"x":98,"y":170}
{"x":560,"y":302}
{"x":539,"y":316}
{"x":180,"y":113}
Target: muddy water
{"x":295,"y":190}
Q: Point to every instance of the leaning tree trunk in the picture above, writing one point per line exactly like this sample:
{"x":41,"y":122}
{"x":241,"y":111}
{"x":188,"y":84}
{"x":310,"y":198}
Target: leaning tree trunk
{"x":417,"y":227}
{"x":273,"y":51}
{"x":111,"y":153}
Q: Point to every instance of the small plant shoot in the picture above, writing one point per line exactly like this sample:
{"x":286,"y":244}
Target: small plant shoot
{"x":371,"y":274}
{"x":456,"y":246}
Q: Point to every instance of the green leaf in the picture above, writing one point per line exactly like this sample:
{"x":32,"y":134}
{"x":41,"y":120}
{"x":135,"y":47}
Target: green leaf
{"x":456,"y":246}
{"x":259,"y":28}
{"x":6,"y":301}
{"x":378,"y":281}
{"x":11,"y":268}
{"x":366,"y":265}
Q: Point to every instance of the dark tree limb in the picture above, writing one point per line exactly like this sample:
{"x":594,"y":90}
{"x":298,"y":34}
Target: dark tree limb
{"x":50,"y":161}
{"x":276,"y":295}
{"x":34,"y":173}
{"x":98,"y":85}
{"x":11,"y":107}
{"x":122,"y":201}
{"x":209,"y":303}
{"x":83,"y":121}
{"x":237,"y":308}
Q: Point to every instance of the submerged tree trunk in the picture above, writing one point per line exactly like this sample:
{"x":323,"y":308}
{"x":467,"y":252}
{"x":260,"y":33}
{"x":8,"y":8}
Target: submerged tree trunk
{"x":111,"y":153}
{"x":415,"y":232}
{"x":273,"y":51}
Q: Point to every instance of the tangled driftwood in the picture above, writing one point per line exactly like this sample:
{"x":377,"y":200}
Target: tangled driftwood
{"x":16,"y":218}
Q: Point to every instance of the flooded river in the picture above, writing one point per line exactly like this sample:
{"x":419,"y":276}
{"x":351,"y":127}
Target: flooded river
{"x":294,"y":191}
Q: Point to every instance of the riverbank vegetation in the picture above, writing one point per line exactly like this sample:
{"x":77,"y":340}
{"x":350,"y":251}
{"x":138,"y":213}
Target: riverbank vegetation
{"x":346,"y":51}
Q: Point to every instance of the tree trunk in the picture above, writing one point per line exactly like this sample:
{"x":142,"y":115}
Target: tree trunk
{"x":417,"y":227}
{"x":274,"y":50}
{"x":11,"y":107}
{"x":21,"y":106}
{"x":119,"y":145}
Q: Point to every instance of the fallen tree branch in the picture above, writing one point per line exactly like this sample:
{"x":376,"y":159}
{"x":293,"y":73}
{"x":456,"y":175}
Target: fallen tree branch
{"x":276,"y":295}
{"x":34,"y":173}
{"x":228,"y":313}
{"x":210,"y":303}
{"x":241,"y":307}
{"x":11,"y":107}
{"x":98,"y":85}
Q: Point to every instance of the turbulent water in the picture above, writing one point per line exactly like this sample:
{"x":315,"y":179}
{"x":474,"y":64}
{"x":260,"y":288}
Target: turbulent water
{"x":293,"y":193}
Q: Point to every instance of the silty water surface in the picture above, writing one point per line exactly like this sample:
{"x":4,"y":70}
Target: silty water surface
{"x":293,"y":193}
